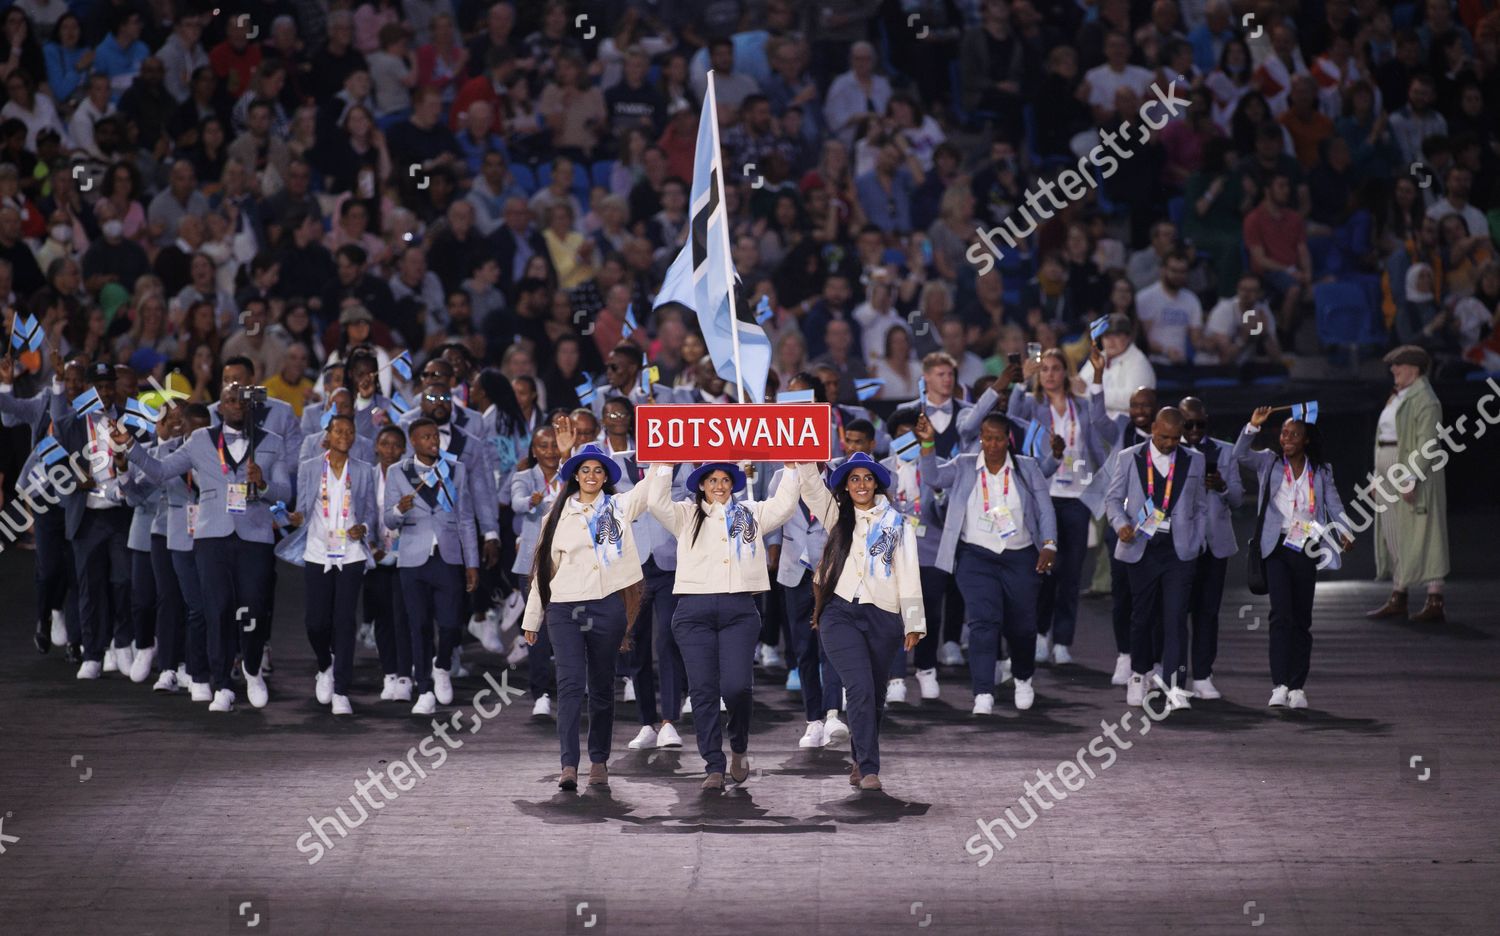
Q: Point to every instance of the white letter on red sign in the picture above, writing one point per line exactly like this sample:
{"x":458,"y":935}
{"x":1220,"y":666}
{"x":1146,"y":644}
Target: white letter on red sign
{"x":809,"y":432}
{"x":653,"y":433}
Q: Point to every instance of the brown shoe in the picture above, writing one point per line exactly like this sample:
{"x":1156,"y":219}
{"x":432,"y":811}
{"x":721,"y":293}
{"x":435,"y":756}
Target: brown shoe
{"x":569,"y":778}
{"x":598,"y":775}
{"x":1395,"y":606}
{"x":1432,"y":611}
{"x":739,"y":768}
{"x":870,"y":782}
{"x":714,"y":781}
{"x":854,"y":775}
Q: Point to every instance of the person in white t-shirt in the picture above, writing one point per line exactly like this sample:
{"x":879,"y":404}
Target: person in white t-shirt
{"x":1101,"y":82}
{"x":1170,"y":312}
{"x":1126,"y":368}
{"x":1238,"y":326}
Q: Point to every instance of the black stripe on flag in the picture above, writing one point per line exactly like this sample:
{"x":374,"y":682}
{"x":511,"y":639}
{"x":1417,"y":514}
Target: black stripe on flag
{"x":700,"y":220}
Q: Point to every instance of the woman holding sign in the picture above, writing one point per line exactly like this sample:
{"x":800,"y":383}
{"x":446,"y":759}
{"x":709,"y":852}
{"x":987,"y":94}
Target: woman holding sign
{"x":869,"y":593}
{"x":585,"y":586}
{"x":1298,"y":501}
{"x":721,"y":567}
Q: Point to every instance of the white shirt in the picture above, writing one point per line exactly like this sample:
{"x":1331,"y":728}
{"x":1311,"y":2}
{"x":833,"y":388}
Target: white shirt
{"x":1066,"y":426}
{"x":323,"y":531}
{"x":1385,"y":429}
{"x":939,"y":416}
{"x":1004,"y":488}
{"x":1291,"y":497}
{"x":388,"y":538}
{"x":1168,"y":320}
{"x":1104,"y":81}
{"x":1122,"y":375}
{"x":1162,"y":463}
{"x":106,"y":490}
{"x":235,"y":443}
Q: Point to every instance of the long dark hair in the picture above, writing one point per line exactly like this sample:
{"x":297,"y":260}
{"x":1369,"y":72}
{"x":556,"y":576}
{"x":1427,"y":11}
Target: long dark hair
{"x":541,"y":564}
{"x":836,"y":551}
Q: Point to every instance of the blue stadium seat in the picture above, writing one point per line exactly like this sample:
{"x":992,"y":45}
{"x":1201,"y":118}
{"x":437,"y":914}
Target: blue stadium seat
{"x":580,"y":181}
{"x":524,"y":177}
{"x":1176,"y":210}
{"x":1346,"y":317}
{"x":1205,"y":382}
{"x":1480,"y":376}
{"x":601,"y":172}
{"x":1270,"y":380}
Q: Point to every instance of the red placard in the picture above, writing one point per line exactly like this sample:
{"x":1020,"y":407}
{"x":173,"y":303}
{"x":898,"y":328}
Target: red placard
{"x":700,"y":432}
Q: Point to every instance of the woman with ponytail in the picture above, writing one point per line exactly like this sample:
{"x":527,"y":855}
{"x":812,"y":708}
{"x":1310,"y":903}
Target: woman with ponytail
{"x":721,"y":566}
{"x":869,"y":593}
{"x":585,"y":586}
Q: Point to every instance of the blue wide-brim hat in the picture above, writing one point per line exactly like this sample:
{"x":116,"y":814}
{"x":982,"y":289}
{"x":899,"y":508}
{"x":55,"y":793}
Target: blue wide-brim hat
{"x":590,"y":452}
{"x":707,"y":468}
{"x":859,"y":460}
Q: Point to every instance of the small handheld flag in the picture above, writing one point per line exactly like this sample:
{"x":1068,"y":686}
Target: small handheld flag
{"x":1305,"y":412}
{"x":585,"y":391}
{"x":630,"y":323}
{"x":1032,"y":445}
{"x":921,"y":388}
{"x":867,"y":388}
{"x":1097,"y":327}
{"x":50,"y":451}
{"x":906,"y":446}
{"x":26,"y":332}
{"x":763,"y":311}
{"x":279,"y":514}
{"x":401,"y":364}
{"x":795,"y":396}
{"x":140,"y":415}
{"x":326,"y":418}
{"x":399,"y":403}
{"x":87,"y":402}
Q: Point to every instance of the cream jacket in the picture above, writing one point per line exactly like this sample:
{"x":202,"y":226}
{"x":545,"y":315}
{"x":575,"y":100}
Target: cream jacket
{"x":589,"y":566}
{"x":715,"y":564}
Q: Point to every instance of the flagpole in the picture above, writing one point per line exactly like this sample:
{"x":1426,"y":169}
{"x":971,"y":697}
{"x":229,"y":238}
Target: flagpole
{"x":711,"y":110}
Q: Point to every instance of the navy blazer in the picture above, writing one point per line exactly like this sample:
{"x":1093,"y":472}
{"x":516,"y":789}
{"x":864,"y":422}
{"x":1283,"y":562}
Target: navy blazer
{"x":1328,"y":510}
{"x":35,"y":414}
{"x":427,"y":523}
{"x":200,"y":454}
{"x":1189,"y":506}
{"x":960,"y":474}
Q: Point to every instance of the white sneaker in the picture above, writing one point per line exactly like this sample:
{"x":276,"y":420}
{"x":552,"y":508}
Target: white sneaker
{"x":366,"y":636}
{"x":110,"y":664}
{"x":140,"y":667}
{"x":1296,"y":699}
{"x":388,"y":688}
{"x":487,"y":631}
{"x":927,"y":683}
{"x":723,"y":706}
{"x":426,"y":704}
{"x":950,"y":654}
{"x":984,"y":704}
{"x":770,"y":657}
{"x":341,"y":705}
{"x":543,"y":706}
{"x":813,"y":737}
{"x":1002,"y":672}
{"x":1060,"y":655}
{"x":1122,"y":670}
{"x":895,"y":691}
{"x":1135,"y":691}
{"x":834,"y":731}
{"x":183,"y":679}
{"x":402,"y":692}
{"x":223,"y":701}
{"x":255,"y":690}
{"x":323,"y":686}
{"x":1178,"y":699}
{"x":687,"y":705}
{"x":511,"y":613}
{"x":668,"y":736}
{"x":1043,"y":648}
{"x":200,"y":691}
{"x":265,"y":661}
{"x":442,"y":686}
{"x":1025,"y":695}
{"x":456,"y":668}
{"x":1278,"y":697}
{"x":1204,"y":689}
{"x":91,"y":669}
{"x":644,"y":738}
{"x":125,"y":658}
{"x":518,"y":651}
{"x":166,"y":682}
{"x":629,"y":694}
{"x":59,"y":629}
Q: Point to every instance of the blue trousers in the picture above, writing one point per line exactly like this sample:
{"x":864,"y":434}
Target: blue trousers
{"x":234,"y":578}
{"x":717,"y":634}
{"x":1000,"y":597}
{"x":103,"y":565}
{"x":586,"y":639}
{"x":1208,"y":593}
{"x":1119,"y":592}
{"x":861,"y":640}
{"x":143,"y":598}
{"x":936,"y":585}
{"x":1293,"y":579}
{"x":658,"y":604}
{"x":1161,"y":586}
{"x":1057,"y":607}
{"x":170,"y":611}
{"x":56,"y":581}
{"x":434,"y":593}
{"x":385,"y":608}
{"x":822,"y":690}
{"x":539,"y":671}
{"x":332,"y":602}
{"x":195,"y":642}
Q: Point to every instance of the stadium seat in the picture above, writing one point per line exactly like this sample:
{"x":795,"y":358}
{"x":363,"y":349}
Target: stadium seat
{"x":1206,"y":382}
{"x":580,"y":181}
{"x":524,"y":177}
{"x":1176,"y":210}
{"x":601,"y":172}
{"x":1480,"y":376}
{"x":1345,"y":317}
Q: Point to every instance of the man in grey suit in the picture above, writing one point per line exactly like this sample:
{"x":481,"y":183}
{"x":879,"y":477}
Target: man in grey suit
{"x":1225,"y":492}
{"x":271,"y":414}
{"x":1158,"y":506}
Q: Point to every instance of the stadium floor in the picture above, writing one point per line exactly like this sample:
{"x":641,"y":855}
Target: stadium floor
{"x":128,"y":812}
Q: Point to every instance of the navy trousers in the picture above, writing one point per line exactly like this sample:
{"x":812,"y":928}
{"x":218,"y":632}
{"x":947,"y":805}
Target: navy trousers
{"x":171,"y":638}
{"x":235,"y":583}
{"x":1000,"y":594}
{"x":717,"y":635}
{"x":1292,"y":578}
{"x":332,"y":604}
{"x":195,"y":637}
{"x":862,"y":640}
{"x":56,"y":581}
{"x":586,"y":639}
{"x":935,"y":585}
{"x":822,"y":690}
{"x":434,"y":593}
{"x":385,"y":608}
{"x":539,"y":671}
{"x":1208,"y":593}
{"x":658,"y":604}
{"x":143,"y":598}
{"x":1057,"y":608}
{"x":1161,"y":586}
{"x":1119,"y":592}
{"x":103,"y":564}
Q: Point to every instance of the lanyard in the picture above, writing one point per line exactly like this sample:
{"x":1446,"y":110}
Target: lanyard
{"x":1072,"y":425}
{"x":1166,"y":500}
{"x":223,"y":465}
{"x":323,"y":497}
{"x":984,"y":483}
{"x":1312,"y":497}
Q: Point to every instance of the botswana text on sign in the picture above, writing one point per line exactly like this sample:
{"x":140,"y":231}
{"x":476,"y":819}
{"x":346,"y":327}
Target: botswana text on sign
{"x":774,"y":432}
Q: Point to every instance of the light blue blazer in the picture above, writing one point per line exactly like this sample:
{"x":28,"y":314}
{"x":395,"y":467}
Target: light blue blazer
{"x":363,"y":477}
{"x":479,"y":475}
{"x":1328,"y":509}
{"x":1189,"y":502}
{"x":281,"y":419}
{"x":522,"y":486}
{"x":426,"y":523}
{"x":958,"y":476}
{"x":1221,"y":542}
{"x":802,"y":533}
{"x":651,"y":538}
{"x":1095,"y":480}
{"x":312,"y":447}
{"x":201,"y":454}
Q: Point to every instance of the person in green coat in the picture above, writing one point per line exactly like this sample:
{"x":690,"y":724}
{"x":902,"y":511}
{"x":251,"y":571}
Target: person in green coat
{"x":1411,"y":534}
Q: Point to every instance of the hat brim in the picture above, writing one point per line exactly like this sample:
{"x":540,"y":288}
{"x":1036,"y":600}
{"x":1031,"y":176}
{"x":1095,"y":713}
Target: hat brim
{"x":704,"y":470}
{"x":570,"y":466}
{"x":882,"y":473}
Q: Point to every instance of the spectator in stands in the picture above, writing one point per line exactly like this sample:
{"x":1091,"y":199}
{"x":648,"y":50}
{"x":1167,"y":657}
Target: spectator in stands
{"x":1101,"y":84}
{"x":858,"y":97}
{"x":1458,"y":182}
{"x":885,"y":191}
{"x":1126,"y":367}
{"x":68,"y":60}
{"x":1170,"y":314}
{"x":1145,"y":265}
{"x":1307,"y":125}
{"x":842,"y":353}
{"x":1418,"y":119}
{"x":441,"y":56}
{"x":1276,"y":239}
{"x":1240,"y":328}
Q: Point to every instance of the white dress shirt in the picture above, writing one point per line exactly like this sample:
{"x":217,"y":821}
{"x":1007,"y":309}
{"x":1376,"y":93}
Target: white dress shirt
{"x":106,"y":490}
{"x":1385,"y":430}
{"x":1066,"y":425}
{"x":1293,"y":500}
{"x":322,"y":530}
{"x":389,"y":539}
{"x":1004,"y":488}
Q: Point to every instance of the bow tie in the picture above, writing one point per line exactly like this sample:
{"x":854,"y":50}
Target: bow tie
{"x":231,"y":436}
